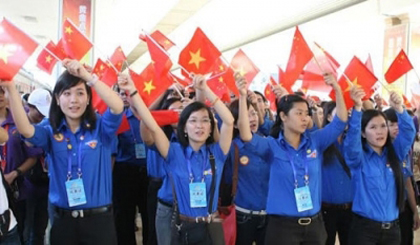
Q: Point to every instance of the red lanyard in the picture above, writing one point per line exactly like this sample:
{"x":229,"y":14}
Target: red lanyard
{"x":3,"y":157}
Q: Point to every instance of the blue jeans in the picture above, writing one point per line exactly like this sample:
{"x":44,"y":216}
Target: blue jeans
{"x":11,"y":238}
{"x":163,"y":224}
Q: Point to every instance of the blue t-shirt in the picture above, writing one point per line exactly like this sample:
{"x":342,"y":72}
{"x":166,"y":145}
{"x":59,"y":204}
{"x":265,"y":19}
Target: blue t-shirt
{"x":95,"y":148}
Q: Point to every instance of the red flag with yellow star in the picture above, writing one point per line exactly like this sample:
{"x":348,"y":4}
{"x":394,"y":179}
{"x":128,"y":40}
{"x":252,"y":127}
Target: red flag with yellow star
{"x":300,"y":55}
{"x":224,"y":73}
{"x":15,"y":49}
{"x":59,"y":50}
{"x":244,"y":66}
{"x":45,"y":60}
{"x":219,"y":87}
{"x":269,"y":94}
{"x":161,"y":39}
{"x":75,"y":44}
{"x":359,"y":76}
{"x":183,"y":81}
{"x":100,"y":68}
{"x":148,"y":85}
{"x":199,"y":55}
{"x":399,"y":67}
{"x":160,"y":57}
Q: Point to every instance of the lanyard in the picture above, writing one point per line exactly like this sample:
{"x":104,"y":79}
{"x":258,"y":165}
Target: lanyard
{"x":131,"y":128}
{"x":306,"y":177}
{"x":202,"y":172}
{"x":79,"y":157}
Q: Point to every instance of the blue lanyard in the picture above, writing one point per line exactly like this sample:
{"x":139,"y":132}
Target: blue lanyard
{"x":306,"y":177}
{"x":202,"y":172}
{"x":69,"y":157}
{"x":131,"y":128}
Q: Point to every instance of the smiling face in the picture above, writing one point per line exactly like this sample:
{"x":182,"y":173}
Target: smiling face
{"x":393,"y":129}
{"x":198,"y":126}
{"x":253,"y":119}
{"x":73,"y":101}
{"x":376,"y":132}
{"x":297,"y":119}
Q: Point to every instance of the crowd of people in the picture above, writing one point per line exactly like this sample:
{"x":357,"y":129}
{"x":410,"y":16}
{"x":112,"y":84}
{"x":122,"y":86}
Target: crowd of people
{"x":306,"y":173}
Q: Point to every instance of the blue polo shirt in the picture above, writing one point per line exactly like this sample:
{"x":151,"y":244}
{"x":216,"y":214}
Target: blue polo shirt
{"x":253,"y":177}
{"x":265,"y":128}
{"x":336,"y":184}
{"x":127,"y":142}
{"x":178,"y":170}
{"x":373,"y":179}
{"x":281,"y":198}
{"x":95,"y":158}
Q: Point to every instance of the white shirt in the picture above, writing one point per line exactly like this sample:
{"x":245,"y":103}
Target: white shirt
{"x":4,"y":205}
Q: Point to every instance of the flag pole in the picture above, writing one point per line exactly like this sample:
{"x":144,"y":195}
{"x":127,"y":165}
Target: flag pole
{"x":417,"y":75}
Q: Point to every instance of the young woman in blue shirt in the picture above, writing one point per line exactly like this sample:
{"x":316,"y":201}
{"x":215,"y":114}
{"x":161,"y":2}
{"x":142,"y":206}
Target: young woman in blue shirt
{"x":188,"y":161}
{"x":78,"y":142}
{"x":376,"y":165}
{"x":294,"y":192}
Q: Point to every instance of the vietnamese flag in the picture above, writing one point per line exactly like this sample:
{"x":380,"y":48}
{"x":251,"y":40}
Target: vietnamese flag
{"x":224,"y":73}
{"x":399,"y":67}
{"x":160,"y":57}
{"x":46,"y":61}
{"x":148,"y":85}
{"x":161,"y":39}
{"x":15,"y":49}
{"x":75,"y":44}
{"x":359,"y":76}
{"x":300,"y":55}
{"x":244,"y":66}
{"x":199,"y":55}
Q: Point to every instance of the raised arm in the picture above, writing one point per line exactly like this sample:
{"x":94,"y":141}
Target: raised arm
{"x":110,"y":98}
{"x":160,"y":140}
{"x":339,"y":99}
{"x":243,"y":121}
{"x":226,"y":130}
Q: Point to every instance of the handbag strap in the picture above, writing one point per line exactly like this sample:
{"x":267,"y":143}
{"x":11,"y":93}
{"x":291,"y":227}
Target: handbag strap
{"x":235,"y":172}
{"x":213,"y":182}
{"x":342,"y":161}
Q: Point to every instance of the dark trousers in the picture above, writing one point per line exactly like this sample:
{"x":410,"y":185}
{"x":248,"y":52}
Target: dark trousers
{"x":406,"y":225}
{"x":154,"y":186}
{"x":286,"y":230}
{"x":250,"y":228}
{"x":364,"y":231}
{"x":91,"y":230}
{"x":11,"y":238}
{"x":337,"y":221}
{"x":20,"y":214}
{"x":130,"y":191}
{"x":36,"y":219}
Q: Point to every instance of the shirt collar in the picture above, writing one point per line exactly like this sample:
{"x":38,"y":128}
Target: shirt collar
{"x":129,"y":112}
{"x":304,"y":139}
{"x":63,"y":126}
{"x":174,"y":137}
{"x":372,"y":153}
{"x":189,"y":151}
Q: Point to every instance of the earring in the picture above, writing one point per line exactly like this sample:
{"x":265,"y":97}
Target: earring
{"x":186,"y":135}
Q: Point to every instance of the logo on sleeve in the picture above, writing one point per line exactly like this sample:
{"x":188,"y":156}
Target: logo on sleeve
{"x":311,"y":154}
{"x":59,"y":137}
{"x":92,"y":144}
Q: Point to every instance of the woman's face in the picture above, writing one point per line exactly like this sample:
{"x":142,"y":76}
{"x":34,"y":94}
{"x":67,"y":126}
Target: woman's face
{"x":198,"y":126}
{"x":253,"y":119}
{"x":73,"y":101}
{"x":320,"y":113}
{"x":297,"y":120}
{"x":376,"y":132}
{"x":176,"y":106}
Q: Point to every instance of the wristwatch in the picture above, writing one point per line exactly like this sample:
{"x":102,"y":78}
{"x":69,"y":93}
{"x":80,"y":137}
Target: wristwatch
{"x":93,"y":81}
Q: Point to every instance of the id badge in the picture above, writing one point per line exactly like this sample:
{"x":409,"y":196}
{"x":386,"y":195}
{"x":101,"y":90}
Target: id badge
{"x":198,"y":197}
{"x":75,"y":192}
{"x":303,"y":199}
{"x":140,"y":151}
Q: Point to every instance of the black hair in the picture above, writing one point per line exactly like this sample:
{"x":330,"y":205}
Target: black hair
{"x":234,"y":109}
{"x":262,"y":96}
{"x":301,"y":94}
{"x":165,"y":97}
{"x":328,"y":108}
{"x":168,"y":130}
{"x":391,"y":115}
{"x":185,"y":114}
{"x":285,"y":104}
{"x":410,"y":112}
{"x":391,"y":156}
{"x":56,"y":116}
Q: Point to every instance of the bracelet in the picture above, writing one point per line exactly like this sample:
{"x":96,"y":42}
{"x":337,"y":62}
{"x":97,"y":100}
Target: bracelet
{"x":214,"y":101}
{"x":133,"y":93}
{"x":19,"y":172}
{"x":93,"y":81}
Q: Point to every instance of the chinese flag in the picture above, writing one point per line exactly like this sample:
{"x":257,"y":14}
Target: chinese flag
{"x":369,"y":64}
{"x":75,"y":44}
{"x":183,"y":81}
{"x":399,"y":67}
{"x":282,"y":75}
{"x":223,"y":73}
{"x":97,"y":103}
{"x":100,"y":68}
{"x":161,"y":39}
{"x":360,"y":76}
{"x":218,"y":86}
{"x":124,"y":126}
{"x":15,"y":49}
{"x":148,"y":85}
{"x":242,"y":64}
{"x":199,"y":55}
{"x":117,"y":59}
{"x":59,"y":51}
{"x":269,"y":94}
{"x":300,"y":55}
{"x":326,"y":60}
{"x":45,"y":60}
{"x":165,"y":117}
{"x":160,"y":57}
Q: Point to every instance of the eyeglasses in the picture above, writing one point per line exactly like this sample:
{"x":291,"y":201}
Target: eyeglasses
{"x":196,"y":121}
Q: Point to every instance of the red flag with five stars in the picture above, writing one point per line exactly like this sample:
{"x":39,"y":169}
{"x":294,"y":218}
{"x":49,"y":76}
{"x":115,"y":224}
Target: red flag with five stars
{"x":300,"y":55}
{"x":269,"y":94}
{"x":360,"y":76}
{"x":160,"y":57}
{"x":118,"y":58}
{"x":75,"y":44}
{"x":46,"y":61}
{"x":15,"y":49}
{"x":148,"y":85}
{"x":219,"y":87}
{"x":246,"y":68}
{"x":224,"y":73}
{"x":59,"y":50}
{"x":100,"y":68}
{"x":199,"y":55}
{"x":161,"y":39}
{"x":399,"y":67}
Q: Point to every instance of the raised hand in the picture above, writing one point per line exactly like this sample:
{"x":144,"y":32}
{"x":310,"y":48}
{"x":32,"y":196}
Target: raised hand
{"x":357,"y":95}
{"x":330,"y":80}
{"x":126,"y":83}
{"x":396,"y":101}
{"x":279,"y":91}
{"x":76,"y":69}
{"x":199,"y":82}
{"x":241,"y":84}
